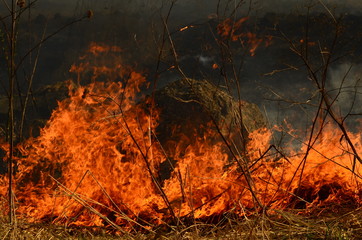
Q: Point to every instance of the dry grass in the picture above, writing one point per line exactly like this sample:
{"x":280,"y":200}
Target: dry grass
{"x":281,"y":225}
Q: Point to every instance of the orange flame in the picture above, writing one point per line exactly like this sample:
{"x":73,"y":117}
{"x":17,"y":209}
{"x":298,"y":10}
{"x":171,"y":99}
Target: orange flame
{"x":97,"y":161}
{"x":97,"y":49}
{"x":186,"y":27}
{"x":229,"y":29}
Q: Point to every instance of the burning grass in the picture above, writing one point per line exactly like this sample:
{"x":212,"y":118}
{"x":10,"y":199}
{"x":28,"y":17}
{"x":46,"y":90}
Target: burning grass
{"x":96,"y":165}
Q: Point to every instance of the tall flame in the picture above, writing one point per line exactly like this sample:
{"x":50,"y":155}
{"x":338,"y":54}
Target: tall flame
{"x":97,"y":162}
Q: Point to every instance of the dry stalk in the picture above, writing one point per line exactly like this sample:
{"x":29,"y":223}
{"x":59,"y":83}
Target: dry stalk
{"x":81,"y":201}
{"x":144,"y":156}
{"x":68,"y":204}
{"x":326,"y":103}
{"x":28,"y":92}
{"x":117,"y":207}
{"x":15,"y":10}
{"x":118,"y":212}
{"x":149,"y":169}
{"x":245,"y":170}
{"x":12,"y":72}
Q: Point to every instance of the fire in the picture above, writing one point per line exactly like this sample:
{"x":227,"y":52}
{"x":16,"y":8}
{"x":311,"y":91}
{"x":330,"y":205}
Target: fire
{"x":228,"y":28}
{"x":233,"y":31}
{"x":186,"y":27}
{"x":309,"y":43}
{"x":97,"y":49}
{"x":96,"y":144}
{"x":89,"y":134}
{"x":97,"y":162}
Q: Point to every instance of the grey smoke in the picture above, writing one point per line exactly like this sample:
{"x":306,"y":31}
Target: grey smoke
{"x":205,"y":60}
{"x":345,"y":87}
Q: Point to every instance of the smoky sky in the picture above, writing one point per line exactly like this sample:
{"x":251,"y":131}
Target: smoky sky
{"x":130,"y":23}
{"x":199,"y":7}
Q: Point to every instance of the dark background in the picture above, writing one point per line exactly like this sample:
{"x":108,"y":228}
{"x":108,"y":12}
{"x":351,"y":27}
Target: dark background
{"x":136,"y":27}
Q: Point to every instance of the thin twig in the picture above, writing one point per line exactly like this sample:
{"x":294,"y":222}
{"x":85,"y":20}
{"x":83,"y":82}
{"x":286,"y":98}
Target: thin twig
{"x":88,"y":207}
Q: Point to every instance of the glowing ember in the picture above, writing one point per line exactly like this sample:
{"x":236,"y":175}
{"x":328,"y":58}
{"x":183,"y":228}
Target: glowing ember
{"x":185,"y":28}
{"x":97,"y":163}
